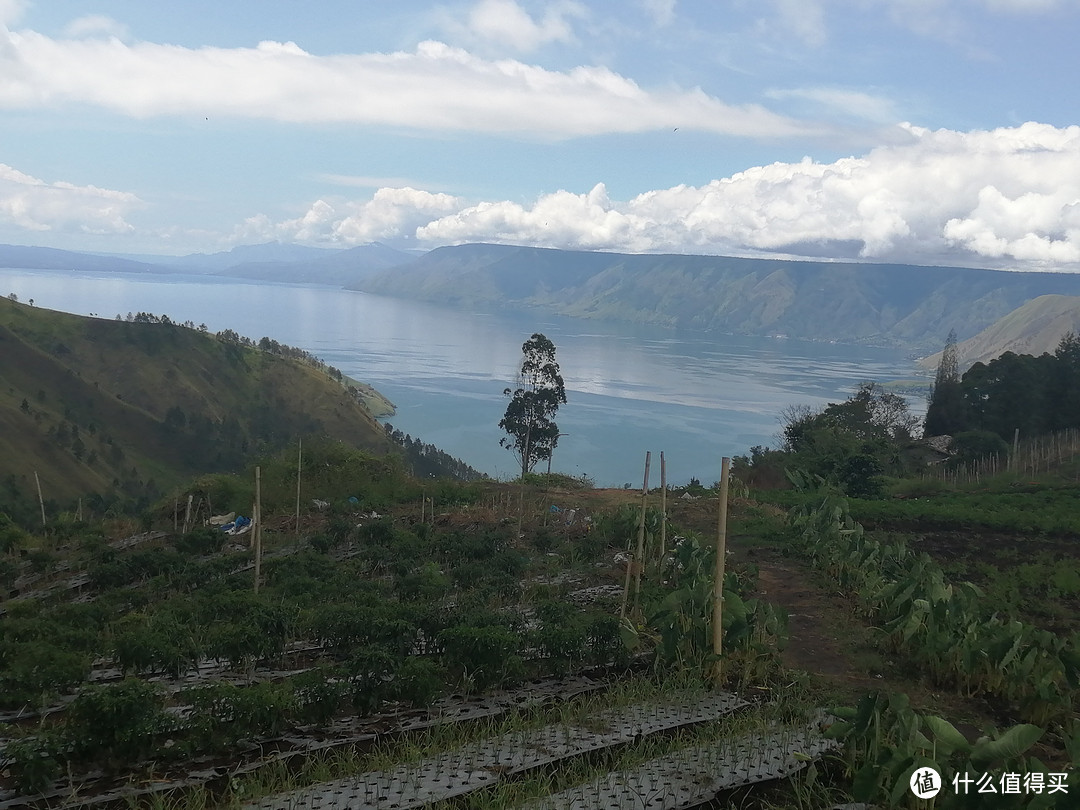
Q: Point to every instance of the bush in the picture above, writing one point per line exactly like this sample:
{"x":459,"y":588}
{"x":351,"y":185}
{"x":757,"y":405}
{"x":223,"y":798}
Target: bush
{"x":118,"y":722}
{"x":419,"y":681}
{"x":34,"y":762}
{"x":31,"y":672}
{"x":222,"y":714}
{"x":480,"y":657}
{"x":318,"y":694}
{"x":201,"y":541}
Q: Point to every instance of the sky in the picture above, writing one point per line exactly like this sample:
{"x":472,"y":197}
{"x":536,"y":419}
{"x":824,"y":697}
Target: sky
{"x":922,"y":131}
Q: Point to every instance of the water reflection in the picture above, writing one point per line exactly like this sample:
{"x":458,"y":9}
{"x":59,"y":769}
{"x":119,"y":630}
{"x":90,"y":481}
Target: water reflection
{"x":695,"y":395}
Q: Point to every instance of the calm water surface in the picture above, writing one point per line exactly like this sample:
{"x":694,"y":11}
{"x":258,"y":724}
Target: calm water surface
{"x":696,"y":396}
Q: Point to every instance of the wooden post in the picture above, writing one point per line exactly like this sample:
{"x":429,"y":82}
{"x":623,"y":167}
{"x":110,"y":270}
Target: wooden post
{"x":663,"y":508}
{"x":256,"y":527}
{"x":187,"y":514}
{"x":299,"y":467}
{"x":639,"y":554}
{"x":175,"y":513}
{"x":721,"y":564}
{"x":41,"y":501}
{"x":1015,"y":450}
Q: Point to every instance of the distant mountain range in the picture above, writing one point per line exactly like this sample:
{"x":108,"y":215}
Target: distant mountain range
{"x":273,"y":261}
{"x":885,"y":304}
{"x":840,"y":301}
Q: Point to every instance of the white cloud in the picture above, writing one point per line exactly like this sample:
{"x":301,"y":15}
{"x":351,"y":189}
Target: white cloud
{"x":10,"y":11}
{"x":854,"y":103}
{"x":507,"y":23}
{"x":36,"y":205}
{"x":1008,"y":197}
{"x":95,"y":25}
{"x":434,"y":87}
{"x":390,"y":213}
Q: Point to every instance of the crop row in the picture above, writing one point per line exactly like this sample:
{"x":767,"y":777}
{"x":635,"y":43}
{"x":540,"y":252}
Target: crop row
{"x":948,"y":628}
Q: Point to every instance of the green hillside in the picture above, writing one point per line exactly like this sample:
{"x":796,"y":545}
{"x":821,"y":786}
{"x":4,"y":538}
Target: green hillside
{"x":130,"y":408}
{"x":1035,"y":328}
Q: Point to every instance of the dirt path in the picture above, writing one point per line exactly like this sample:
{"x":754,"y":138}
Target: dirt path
{"x":814,"y":621}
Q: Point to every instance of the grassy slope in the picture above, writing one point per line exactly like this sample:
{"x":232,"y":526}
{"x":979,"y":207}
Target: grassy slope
{"x":116,"y":383}
{"x":1035,"y":328}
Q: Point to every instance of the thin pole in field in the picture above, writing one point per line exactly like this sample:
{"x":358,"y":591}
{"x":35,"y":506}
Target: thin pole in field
{"x":639,"y":555}
{"x":299,"y":467}
{"x":718,"y":578}
{"x":663,"y":507}
{"x":187,"y":514}
{"x":256,"y":527}
{"x":41,"y":500}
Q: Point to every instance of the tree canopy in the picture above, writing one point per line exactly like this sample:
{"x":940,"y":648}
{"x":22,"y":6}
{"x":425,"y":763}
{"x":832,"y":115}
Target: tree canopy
{"x":532,"y":433}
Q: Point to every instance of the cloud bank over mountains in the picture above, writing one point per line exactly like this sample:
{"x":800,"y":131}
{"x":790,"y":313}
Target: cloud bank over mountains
{"x":1008,"y":197}
{"x":638,"y":118}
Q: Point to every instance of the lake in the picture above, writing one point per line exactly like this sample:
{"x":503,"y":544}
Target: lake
{"x":695,"y":396}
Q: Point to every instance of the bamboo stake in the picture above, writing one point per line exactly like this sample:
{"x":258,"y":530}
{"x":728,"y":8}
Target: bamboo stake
{"x":639,"y":555}
{"x":175,"y":513}
{"x":299,"y":467}
{"x":187,"y":514}
{"x":663,"y":507}
{"x":41,"y":501}
{"x":721,"y":564}
{"x":629,"y":568}
{"x":256,"y":527}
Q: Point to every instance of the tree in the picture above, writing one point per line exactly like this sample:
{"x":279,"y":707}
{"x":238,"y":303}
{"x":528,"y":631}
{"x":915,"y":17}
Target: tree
{"x":528,"y":421}
{"x":946,"y":412}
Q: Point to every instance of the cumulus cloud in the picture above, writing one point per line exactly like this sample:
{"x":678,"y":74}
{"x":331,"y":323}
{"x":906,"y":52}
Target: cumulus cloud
{"x":434,"y":87}
{"x":1008,"y":197}
{"x":390,"y":213}
{"x":36,"y":205}
{"x":507,"y":23}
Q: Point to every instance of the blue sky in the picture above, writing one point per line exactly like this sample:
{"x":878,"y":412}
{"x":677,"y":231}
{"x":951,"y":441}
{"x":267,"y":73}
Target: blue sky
{"x":931,"y":131}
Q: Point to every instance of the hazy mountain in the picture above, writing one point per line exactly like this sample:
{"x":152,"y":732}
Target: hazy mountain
{"x":272,"y":261}
{"x":39,"y":258}
{"x":844,"y":301}
{"x":1035,"y":328}
{"x":337,"y":267}
{"x":267,"y":253}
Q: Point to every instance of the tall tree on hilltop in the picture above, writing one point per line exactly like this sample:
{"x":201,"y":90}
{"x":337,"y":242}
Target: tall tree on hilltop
{"x":946,"y":413}
{"x":529,"y":420}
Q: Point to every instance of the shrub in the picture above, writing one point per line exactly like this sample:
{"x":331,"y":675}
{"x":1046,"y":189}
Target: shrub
{"x":318,"y":694}
{"x":201,"y":541}
{"x":480,"y":657}
{"x":419,"y":681}
{"x":118,"y":721}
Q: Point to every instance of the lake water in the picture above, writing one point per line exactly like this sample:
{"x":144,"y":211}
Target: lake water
{"x":695,"y":396}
